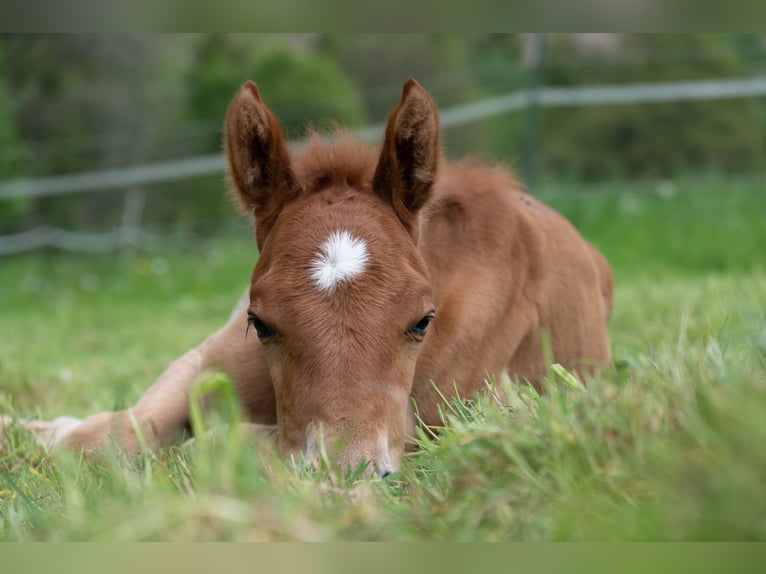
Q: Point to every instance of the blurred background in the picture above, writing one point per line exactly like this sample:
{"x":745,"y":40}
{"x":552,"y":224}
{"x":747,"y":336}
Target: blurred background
{"x":120,"y":250}
{"x":113,"y":141}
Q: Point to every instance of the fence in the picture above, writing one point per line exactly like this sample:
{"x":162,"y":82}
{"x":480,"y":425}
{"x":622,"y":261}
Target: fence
{"x":135,"y":177}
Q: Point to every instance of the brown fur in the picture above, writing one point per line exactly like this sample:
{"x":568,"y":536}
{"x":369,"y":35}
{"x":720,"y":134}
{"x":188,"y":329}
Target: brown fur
{"x":501,"y":270}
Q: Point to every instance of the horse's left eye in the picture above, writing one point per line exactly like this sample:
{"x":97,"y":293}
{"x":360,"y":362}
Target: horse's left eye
{"x":262,"y":329}
{"x":419,"y":329}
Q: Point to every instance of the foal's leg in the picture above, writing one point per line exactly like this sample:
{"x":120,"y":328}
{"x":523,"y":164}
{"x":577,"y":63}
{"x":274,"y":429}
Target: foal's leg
{"x":160,"y":414}
{"x":163,"y":411}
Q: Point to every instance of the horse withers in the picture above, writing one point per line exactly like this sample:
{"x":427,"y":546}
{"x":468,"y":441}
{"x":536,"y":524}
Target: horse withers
{"x":384,"y":278}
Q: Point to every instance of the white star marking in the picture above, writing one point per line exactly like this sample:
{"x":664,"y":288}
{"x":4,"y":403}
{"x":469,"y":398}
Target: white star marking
{"x":341,"y":257}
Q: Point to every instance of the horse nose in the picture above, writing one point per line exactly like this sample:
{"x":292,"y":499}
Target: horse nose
{"x":384,"y":466}
{"x":384,"y":473}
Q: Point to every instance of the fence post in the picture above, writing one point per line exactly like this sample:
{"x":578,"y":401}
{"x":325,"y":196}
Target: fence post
{"x":132,"y":214}
{"x":531,"y":117}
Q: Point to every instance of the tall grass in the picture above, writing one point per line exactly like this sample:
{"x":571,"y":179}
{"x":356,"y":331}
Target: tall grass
{"x":666,"y":444}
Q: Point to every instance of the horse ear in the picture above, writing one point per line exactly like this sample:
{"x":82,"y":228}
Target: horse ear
{"x":259,"y":165}
{"x":409,"y":157}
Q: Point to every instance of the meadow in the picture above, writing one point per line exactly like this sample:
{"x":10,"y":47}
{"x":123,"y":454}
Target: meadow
{"x":666,"y":444}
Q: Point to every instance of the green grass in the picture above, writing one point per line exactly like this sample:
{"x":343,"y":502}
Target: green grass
{"x":667,"y":444}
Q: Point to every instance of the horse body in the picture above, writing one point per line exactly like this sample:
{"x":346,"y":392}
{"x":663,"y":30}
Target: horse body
{"x":381,"y":274}
{"x":506,"y":271}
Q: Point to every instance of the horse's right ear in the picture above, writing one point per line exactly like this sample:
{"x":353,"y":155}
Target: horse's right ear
{"x":259,"y":165}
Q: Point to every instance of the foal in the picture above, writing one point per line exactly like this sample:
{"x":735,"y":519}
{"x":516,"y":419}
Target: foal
{"x":381,"y":275}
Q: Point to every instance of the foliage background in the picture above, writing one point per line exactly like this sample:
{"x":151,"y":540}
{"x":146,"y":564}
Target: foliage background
{"x":73,"y":103}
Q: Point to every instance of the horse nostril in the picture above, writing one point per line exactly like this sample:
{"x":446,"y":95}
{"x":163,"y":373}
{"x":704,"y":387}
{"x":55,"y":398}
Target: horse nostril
{"x":385,"y":473}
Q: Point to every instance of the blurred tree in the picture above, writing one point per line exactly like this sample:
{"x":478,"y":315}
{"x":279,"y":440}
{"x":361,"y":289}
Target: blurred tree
{"x":8,"y":138}
{"x":299,"y":84}
{"x":10,"y":152}
{"x":442,"y":63}
{"x":221,"y":64}
{"x":381,"y":62}
{"x":307,"y":88}
{"x":87,"y":102}
{"x":649,"y":140}
{"x":498,"y":62}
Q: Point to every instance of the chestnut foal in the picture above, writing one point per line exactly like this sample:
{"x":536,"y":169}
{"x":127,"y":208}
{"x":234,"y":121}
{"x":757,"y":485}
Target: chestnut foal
{"x":380,"y":275}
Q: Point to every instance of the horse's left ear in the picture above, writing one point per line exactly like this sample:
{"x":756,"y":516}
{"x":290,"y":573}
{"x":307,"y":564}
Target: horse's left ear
{"x":409,"y":158}
{"x":259,"y":165}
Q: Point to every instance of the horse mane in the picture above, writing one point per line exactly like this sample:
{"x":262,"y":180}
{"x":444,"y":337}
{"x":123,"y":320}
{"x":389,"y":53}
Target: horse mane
{"x":338,"y":158}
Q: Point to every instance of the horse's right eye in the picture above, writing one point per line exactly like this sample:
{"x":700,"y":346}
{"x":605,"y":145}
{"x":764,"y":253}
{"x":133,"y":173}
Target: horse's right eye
{"x":263,"y":331}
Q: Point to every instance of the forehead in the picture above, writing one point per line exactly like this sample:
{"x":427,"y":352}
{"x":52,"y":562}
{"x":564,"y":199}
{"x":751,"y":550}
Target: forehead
{"x":337,"y":242}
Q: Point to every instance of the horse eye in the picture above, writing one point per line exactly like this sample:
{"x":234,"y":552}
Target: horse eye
{"x":420,"y":329}
{"x":262,"y":329}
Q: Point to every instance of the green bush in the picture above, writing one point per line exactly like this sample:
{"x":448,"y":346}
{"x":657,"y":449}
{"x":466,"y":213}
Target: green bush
{"x":86,"y":102}
{"x":627,"y":141}
{"x":301,"y":86}
{"x":307,"y":88}
{"x":650,"y":140}
{"x":10,"y":149}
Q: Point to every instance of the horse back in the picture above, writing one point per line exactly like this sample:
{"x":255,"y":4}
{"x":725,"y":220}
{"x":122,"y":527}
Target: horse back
{"x":510,"y":275}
